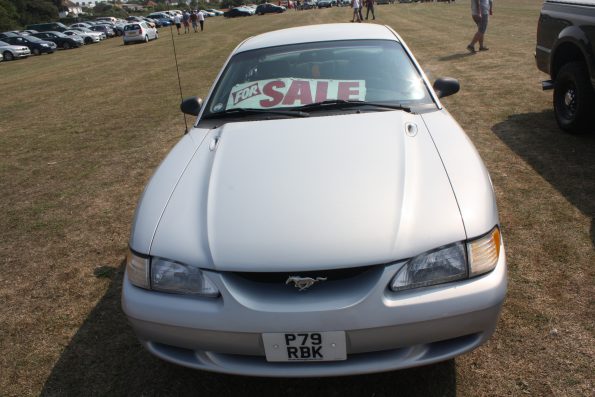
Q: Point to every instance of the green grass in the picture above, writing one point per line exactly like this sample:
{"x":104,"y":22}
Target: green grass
{"x":81,"y":131}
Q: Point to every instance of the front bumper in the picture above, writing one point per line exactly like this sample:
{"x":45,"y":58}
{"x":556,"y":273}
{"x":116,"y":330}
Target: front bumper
{"x":384,"y":330}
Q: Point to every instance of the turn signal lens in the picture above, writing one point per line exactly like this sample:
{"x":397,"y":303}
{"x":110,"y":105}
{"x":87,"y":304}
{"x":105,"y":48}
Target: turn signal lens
{"x":484,"y":253}
{"x":137,"y":268}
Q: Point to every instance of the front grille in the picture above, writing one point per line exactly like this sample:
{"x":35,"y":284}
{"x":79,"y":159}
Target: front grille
{"x":281,"y":277}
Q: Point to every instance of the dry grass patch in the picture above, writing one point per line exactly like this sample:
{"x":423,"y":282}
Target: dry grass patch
{"x":81,"y":132}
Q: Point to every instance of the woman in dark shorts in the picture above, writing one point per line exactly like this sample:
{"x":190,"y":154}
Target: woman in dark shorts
{"x":480,"y":11}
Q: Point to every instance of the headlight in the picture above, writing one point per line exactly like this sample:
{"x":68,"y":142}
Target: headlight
{"x":44,"y":45}
{"x":436,"y":267}
{"x":179,"y":278}
{"x":453,"y":262}
{"x":167,"y":276}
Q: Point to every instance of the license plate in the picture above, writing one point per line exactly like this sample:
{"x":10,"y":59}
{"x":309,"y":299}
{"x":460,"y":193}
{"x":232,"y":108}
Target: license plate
{"x":305,"y":346}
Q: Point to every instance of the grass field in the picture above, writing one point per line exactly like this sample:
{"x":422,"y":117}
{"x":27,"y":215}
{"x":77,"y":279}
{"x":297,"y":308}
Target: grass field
{"x":81,"y":131}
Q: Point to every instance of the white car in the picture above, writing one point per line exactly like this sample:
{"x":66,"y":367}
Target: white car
{"x":81,"y":25}
{"x":139,"y":32}
{"x":11,"y":52}
{"x":87,"y":38}
{"x":216,"y":12}
{"x":100,"y":35}
{"x":324,"y":216}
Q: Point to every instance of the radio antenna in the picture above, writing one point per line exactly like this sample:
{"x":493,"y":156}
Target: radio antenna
{"x":171,"y":29}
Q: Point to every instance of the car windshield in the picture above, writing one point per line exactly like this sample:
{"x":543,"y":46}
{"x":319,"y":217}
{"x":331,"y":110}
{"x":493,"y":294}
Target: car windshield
{"x":82,"y":29}
{"x":293,"y":76}
{"x":33,"y":39}
{"x":59,"y":34}
{"x":132,"y":27}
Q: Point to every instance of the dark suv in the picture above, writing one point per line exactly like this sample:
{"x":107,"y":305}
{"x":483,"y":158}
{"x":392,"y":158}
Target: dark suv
{"x":566,"y":51}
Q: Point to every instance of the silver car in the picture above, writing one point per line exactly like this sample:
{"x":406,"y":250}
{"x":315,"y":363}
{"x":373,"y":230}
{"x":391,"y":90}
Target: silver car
{"x":10,"y":52}
{"x":324,"y":216}
{"x":139,"y":32}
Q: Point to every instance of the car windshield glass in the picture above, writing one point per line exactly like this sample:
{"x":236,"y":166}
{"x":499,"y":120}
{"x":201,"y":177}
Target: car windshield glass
{"x":132,"y":27}
{"x":59,"y":34}
{"x":375,"y":71}
{"x":84,"y":29}
{"x":34,"y":39}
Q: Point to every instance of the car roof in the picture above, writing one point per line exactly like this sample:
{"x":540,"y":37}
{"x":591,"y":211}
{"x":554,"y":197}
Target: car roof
{"x":315,"y":33}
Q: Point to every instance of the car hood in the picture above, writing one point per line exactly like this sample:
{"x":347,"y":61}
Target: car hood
{"x":307,"y":194}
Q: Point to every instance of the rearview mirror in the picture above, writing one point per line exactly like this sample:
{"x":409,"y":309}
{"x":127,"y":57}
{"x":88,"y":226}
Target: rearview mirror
{"x":191,"y":105}
{"x":445,"y":86}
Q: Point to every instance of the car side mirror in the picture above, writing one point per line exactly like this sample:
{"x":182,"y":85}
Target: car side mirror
{"x":191,"y":105}
{"x":445,"y":86}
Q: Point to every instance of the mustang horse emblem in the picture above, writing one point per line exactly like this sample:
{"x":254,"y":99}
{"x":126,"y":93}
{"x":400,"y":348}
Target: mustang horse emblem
{"x":304,"y":282}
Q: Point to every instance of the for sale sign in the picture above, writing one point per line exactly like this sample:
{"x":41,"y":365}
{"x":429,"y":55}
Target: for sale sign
{"x":291,"y":92}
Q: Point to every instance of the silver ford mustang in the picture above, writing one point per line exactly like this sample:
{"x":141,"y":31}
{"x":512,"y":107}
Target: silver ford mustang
{"x":324,"y":216}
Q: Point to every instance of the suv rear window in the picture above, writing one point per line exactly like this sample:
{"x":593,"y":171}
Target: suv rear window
{"x":132,"y":27}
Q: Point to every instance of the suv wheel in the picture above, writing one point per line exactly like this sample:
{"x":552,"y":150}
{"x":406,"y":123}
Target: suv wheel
{"x":66,"y":45}
{"x":36,"y":51}
{"x":146,"y":39}
{"x":574,"y":99}
{"x":8,"y":56}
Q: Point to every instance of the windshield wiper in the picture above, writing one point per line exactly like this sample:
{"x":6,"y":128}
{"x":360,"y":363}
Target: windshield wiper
{"x":246,"y":111}
{"x":342,"y":103}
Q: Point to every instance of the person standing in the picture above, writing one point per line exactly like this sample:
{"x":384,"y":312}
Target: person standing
{"x":194,"y":20}
{"x":480,"y":11}
{"x":201,"y":19}
{"x":356,"y":10}
{"x":370,"y":7}
{"x":186,"y":21}
{"x":177,"y":21}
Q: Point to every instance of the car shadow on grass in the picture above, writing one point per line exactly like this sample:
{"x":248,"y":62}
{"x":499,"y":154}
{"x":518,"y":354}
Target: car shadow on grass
{"x":104,"y":358}
{"x":565,"y":160}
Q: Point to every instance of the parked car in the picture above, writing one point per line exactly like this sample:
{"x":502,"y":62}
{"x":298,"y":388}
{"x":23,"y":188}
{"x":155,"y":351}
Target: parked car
{"x":268,"y":8}
{"x":161,"y":15}
{"x":81,"y":25}
{"x":47,"y":27}
{"x":238,"y":12}
{"x":11,"y":52}
{"x":109,"y":32}
{"x":321,"y":218}
{"x":106,"y":19}
{"x":139,"y":32}
{"x":208,"y":14}
{"x":308,"y":4}
{"x":87,"y":38}
{"x":61,"y":40}
{"x":324,"y":3}
{"x":35,"y":45}
{"x":216,"y":12}
{"x":88,"y":31}
{"x":3,"y":35}
{"x":565,"y":50}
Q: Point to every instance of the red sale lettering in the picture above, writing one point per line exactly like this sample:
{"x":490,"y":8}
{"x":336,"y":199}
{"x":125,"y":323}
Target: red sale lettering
{"x":346,"y":89}
{"x":299,"y":90}
{"x":246,"y":93}
{"x":269,"y":90}
{"x":321,"y":91}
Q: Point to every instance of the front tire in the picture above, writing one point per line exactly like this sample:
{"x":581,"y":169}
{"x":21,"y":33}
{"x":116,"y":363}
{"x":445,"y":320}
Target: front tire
{"x":36,"y":51}
{"x":8,"y":56}
{"x":66,"y":46}
{"x":146,"y":39}
{"x":574,"y":99}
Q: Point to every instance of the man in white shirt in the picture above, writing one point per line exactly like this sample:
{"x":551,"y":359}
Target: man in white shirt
{"x":480,"y":11}
{"x":177,"y":21}
{"x":356,"y":4}
{"x":201,"y":19}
